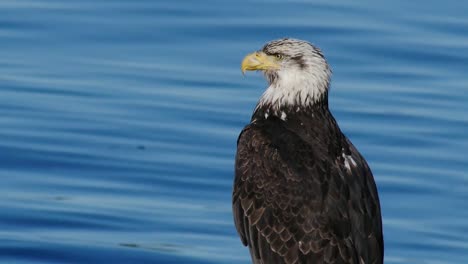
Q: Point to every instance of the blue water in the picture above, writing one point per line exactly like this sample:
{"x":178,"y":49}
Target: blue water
{"x":119,"y":122}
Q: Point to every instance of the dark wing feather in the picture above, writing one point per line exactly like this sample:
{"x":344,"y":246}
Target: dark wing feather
{"x":366,"y":211}
{"x":293,"y":205}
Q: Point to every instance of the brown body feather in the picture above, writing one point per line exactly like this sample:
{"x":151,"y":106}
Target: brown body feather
{"x":297,"y":199}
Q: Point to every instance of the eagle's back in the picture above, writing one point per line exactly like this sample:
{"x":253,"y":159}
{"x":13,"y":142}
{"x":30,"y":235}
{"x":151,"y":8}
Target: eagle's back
{"x":304,"y":194}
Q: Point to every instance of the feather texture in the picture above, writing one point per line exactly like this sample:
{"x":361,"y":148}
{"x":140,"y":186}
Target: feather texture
{"x":303,"y":193}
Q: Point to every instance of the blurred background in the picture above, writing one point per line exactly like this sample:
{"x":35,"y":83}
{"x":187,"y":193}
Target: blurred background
{"x":119,"y":120}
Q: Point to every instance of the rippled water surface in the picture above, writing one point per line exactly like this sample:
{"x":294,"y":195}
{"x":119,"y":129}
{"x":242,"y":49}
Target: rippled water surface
{"x":119,"y":122}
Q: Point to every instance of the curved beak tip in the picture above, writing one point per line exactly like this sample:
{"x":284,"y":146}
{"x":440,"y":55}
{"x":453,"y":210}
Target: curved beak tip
{"x":257,"y":61}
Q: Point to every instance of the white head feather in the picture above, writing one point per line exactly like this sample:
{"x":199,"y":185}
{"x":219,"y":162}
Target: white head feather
{"x":302,"y":79}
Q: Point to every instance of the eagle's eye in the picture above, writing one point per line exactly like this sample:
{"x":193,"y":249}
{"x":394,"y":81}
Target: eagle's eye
{"x":279,"y":56}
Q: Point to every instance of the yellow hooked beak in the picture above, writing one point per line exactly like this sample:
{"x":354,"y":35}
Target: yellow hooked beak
{"x":259,"y":61}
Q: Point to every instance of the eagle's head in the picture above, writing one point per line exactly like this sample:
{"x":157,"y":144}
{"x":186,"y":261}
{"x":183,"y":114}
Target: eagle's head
{"x":297,"y":73}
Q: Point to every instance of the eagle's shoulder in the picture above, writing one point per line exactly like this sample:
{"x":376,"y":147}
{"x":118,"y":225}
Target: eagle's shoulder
{"x":293,"y":204}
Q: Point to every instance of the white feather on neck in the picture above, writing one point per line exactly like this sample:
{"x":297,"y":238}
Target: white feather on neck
{"x":294,"y":86}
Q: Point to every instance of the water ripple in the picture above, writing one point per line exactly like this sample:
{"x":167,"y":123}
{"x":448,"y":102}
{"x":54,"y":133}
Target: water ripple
{"x":120,"y":119}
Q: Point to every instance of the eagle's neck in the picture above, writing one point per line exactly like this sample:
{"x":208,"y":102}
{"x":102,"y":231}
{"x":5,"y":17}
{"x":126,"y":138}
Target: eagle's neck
{"x":282,"y":109}
{"x":317,"y":110}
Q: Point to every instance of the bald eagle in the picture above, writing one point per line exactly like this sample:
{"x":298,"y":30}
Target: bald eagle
{"x":303,"y":194}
